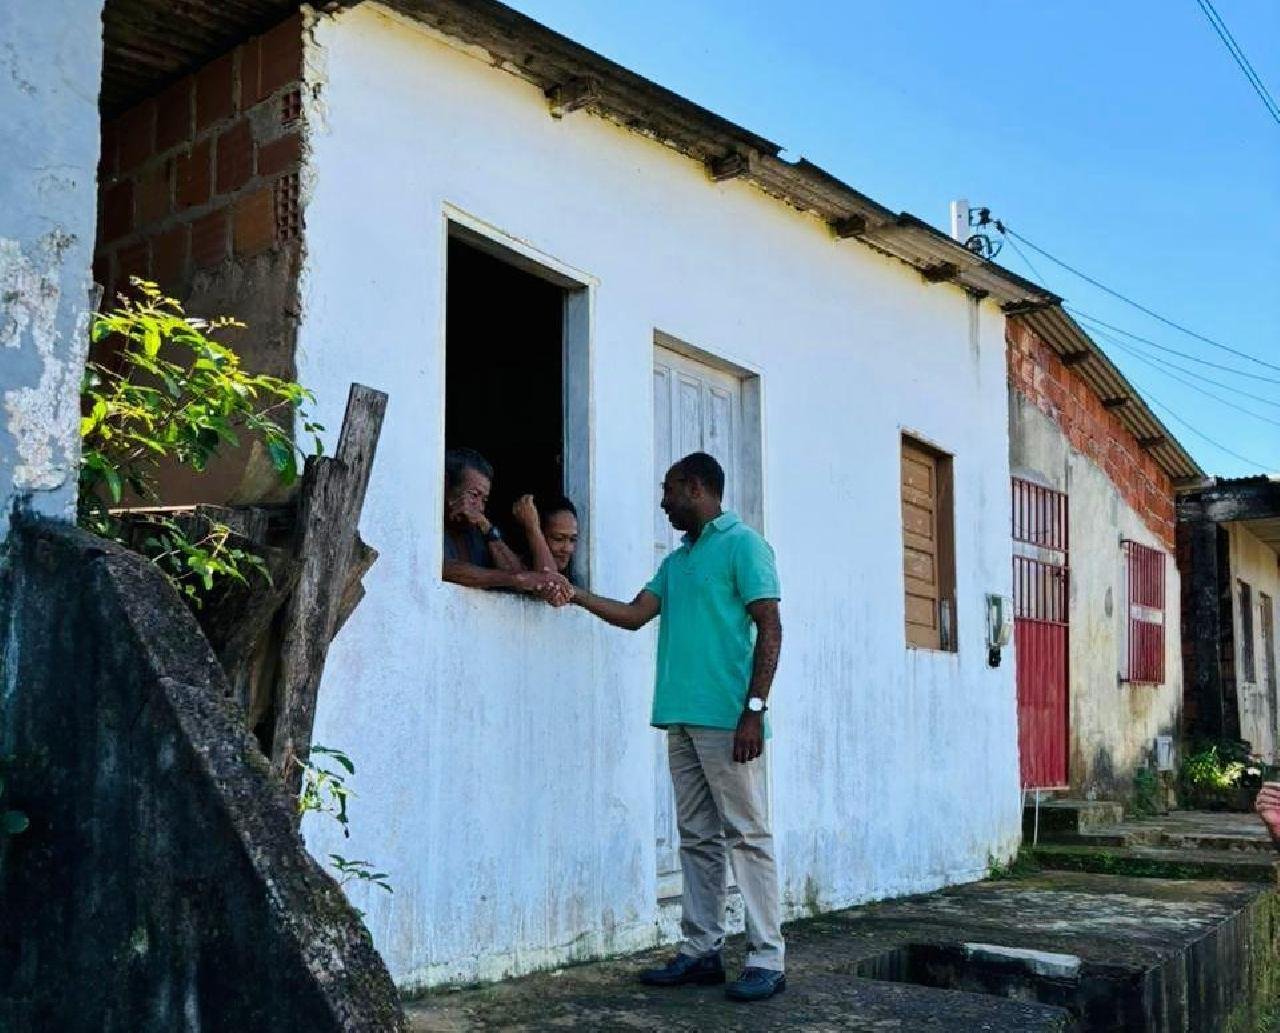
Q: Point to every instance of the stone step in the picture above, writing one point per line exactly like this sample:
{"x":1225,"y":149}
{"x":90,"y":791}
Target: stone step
{"x":1071,"y":817}
{"x":1116,"y":836}
{"x":1159,"y":862}
{"x":1214,"y":841}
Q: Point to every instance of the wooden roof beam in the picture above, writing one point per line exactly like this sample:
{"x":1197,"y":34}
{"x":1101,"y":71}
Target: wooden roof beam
{"x":571,"y":95}
{"x":850,"y":226}
{"x":943,"y":272}
{"x":731,"y":165}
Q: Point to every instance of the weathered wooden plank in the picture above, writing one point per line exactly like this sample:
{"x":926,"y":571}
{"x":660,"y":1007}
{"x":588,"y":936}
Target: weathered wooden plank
{"x":363,"y":556}
{"x":328,"y":514}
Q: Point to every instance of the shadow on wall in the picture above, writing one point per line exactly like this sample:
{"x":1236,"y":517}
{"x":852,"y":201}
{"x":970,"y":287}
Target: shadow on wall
{"x":161,"y":885}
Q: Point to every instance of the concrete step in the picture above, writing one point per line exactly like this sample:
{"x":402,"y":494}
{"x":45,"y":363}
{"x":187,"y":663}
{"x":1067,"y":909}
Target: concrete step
{"x":1070,"y":817}
{"x":1116,"y":836}
{"x":1160,"y":862}
{"x":1210,"y":841}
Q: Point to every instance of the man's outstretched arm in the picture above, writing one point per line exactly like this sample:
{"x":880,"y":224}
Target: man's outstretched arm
{"x":631,"y":616}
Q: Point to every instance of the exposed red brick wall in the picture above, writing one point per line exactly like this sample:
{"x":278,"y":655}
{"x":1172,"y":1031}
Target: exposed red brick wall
{"x":191,"y":178}
{"x":1036,"y":373}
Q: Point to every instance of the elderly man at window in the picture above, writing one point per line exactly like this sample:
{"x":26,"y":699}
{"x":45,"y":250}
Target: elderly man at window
{"x":474,"y":553}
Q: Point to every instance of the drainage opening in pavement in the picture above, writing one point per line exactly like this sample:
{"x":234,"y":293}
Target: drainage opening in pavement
{"x":1102,"y":997}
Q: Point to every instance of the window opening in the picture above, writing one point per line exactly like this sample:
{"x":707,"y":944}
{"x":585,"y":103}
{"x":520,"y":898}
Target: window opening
{"x":1145,"y":593}
{"x":515,"y":338}
{"x":1248,"y":665}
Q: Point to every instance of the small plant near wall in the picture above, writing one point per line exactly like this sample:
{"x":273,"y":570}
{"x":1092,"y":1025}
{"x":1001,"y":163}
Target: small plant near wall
{"x":173,"y":394}
{"x":1223,"y":775}
{"x":1146,"y":793}
{"x":325,"y":791}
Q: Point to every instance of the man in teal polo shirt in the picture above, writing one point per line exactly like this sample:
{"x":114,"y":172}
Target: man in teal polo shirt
{"x":718,"y":647}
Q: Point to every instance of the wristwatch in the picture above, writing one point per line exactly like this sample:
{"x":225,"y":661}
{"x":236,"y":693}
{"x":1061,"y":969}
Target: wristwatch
{"x":756,"y":705}
{"x":493,"y":534}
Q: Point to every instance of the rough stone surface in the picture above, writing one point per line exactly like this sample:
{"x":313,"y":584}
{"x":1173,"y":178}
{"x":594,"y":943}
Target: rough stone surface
{"x":161,"y":885}
{"x":1153,"y":954}
{"x":50,"y":67}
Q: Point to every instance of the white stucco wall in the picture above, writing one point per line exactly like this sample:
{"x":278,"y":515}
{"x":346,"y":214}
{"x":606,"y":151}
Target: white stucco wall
{"x":1254,"y":562}
{"x":50,"y":70}
{"x":506,"y":769}
{"x":1113,"y":725}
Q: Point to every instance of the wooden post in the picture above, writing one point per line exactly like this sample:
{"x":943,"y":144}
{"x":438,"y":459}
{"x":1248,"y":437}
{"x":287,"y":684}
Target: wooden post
{"x":328,"y":514}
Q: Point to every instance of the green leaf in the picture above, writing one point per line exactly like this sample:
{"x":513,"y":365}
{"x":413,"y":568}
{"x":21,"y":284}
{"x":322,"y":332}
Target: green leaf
{"x":151,"y":341}
{"x":114,"y":485}
{"x":101,"y":330}
{"x":13,"y":822}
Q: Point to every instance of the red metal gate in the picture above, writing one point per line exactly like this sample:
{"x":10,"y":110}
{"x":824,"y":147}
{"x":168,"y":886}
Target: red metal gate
{"x":1040,"y":628}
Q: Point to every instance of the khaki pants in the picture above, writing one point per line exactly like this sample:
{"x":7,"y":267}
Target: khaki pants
{"x":720,"y":810}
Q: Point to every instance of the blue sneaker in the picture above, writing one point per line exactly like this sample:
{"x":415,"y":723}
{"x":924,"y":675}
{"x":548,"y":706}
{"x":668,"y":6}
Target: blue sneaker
{"x":756,"y":984}
{"x":684,"y":969}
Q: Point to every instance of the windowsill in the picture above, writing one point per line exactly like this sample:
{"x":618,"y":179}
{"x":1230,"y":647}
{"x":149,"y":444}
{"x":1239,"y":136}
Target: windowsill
{"x":931,"y":651}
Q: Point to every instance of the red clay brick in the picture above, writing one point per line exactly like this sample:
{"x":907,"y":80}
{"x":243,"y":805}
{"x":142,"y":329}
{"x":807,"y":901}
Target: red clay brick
{"x":280,"y":155}
{"x":117,"y":211}
{"x":209,"y":239}
{"x":109,"y":154}
{"x":154,"y":194}
{"x":250,"y":61}
{"x":254,"y":227}
{"x":137,"y":128}
{"x":281,"y":57}
{"x":193,"y":176}
{"x":174,"y":115}
{"x":133,"y":260}
{"x":234,"y":163}
{"x":169,"y":257}
{"x":215,"y":99}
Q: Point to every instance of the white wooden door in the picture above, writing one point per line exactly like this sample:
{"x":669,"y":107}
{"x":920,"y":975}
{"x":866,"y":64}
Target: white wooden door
{"x":696,"y":408}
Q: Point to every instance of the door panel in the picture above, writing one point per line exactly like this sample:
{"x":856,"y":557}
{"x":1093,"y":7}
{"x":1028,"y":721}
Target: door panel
{"x":1041,"y":632}
{"x":696,"y":408}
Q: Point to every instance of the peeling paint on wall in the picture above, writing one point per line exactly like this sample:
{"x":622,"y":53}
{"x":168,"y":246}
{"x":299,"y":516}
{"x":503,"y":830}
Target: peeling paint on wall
{"x":41,"y":417}
{"x":50,"y":126}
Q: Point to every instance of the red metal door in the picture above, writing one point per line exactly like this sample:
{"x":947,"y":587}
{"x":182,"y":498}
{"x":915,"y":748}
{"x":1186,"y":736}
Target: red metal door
{"x":1040,"y":629}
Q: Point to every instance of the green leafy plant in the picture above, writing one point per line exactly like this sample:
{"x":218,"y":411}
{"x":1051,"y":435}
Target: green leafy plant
{"x":325,"y":791}
{"x":1020,"y":866}
{"x":173,"y":394}
{"x":1146,"y":793}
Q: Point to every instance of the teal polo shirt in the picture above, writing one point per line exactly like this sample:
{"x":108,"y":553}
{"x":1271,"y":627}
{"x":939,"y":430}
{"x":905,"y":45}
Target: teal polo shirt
{"x":706,"y":638}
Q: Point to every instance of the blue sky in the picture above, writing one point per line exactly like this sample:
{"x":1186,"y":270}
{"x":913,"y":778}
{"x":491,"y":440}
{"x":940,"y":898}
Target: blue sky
{"x":1120,"y":137}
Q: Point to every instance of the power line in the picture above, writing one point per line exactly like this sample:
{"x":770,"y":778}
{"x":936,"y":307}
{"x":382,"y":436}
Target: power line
{"x":1129,"y":301}
{"x":1095,"y":321}
{"x":1165,"y":363}
{"x":1023,"y":255}
{"x":1200,"y":434}
{"x":1196,"y":387}
{"x":1237,"y":55}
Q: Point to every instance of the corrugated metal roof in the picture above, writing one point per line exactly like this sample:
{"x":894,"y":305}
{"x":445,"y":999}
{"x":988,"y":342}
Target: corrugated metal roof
{"x":1065,"y":336}
{"x":149,"y":42}
{"x":562,"y":68}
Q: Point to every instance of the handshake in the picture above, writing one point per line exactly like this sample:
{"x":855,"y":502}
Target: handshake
{"x":554,"y":589}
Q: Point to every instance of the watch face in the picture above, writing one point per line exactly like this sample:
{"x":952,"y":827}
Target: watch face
{"x":756,"y":704}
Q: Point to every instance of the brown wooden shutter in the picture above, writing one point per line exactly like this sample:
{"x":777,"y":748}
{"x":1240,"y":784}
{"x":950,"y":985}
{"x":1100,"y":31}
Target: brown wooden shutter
{"x":921,"y":554}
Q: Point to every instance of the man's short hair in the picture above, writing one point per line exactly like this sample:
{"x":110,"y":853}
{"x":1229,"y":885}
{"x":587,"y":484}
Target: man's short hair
{"x":456,"y":460}
{"x":705,"y":470}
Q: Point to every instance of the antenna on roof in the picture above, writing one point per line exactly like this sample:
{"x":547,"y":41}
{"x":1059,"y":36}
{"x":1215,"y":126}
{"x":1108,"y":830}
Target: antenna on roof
{"x":960,"y":220}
